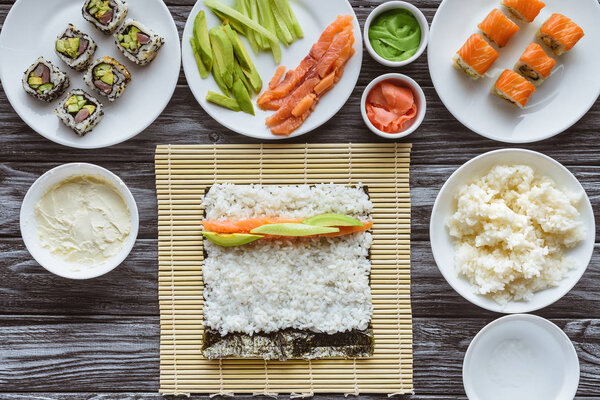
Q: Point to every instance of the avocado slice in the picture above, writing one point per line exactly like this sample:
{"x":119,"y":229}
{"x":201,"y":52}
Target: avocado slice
{"x":242,"y":97}
{"x":201,"y":67}
{"x":223,"y":101}
{"x":239,"y":74}
{"x":231,"y":239}
{"x":332,"y":220}
{"x":90,"y":108}
{"x":35,"y":80}
{"x":223,"y":55}
{"x":293,"y":230}
{"x":203,"y":40}
{"x":244,"y":59}
{"x":108,"y":77}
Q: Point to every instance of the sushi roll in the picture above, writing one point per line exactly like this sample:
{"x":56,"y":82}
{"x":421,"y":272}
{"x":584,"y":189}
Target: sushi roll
{"x":498,"y":28}
{"x":475,"y":57}
{"x":535,"y":65}
{"x":107,"y":77}
{"x":75,"y":48}
{"x":560,"y":34}
{"x":106,"y":15}
{"x":524,"y":10}
{"x":80,"y":111}
{"x":44,"y":81}
{"x":137,"y":42}
{"x":513,"y":88}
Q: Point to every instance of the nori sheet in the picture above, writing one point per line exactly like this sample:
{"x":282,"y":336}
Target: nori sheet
{"x":288,"y":344}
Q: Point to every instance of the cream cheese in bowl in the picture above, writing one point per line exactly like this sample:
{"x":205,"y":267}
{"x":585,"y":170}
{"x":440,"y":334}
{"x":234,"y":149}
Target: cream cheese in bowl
{"x":79,"y":221}
{"x":83,"y":219}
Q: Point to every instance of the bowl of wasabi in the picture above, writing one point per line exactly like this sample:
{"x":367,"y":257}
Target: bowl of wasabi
{"x":396,"y":33}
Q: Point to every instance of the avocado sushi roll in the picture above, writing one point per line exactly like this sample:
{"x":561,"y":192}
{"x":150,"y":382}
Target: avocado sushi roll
{"x":107,"y":77}
{"x":80,"y":111}
{"x":75,"y":48}
{"x":106,"y":15}
{"x":137,"y":42}
{"x":45,"y":81}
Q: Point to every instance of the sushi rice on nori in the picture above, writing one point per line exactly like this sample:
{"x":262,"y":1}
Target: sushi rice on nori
{"x":75,"y":48}
{"x":80,"y":111}
{"x":137,"y":42}
{"x":106,"y":15}
{"x":535,"y":65}
{"x":288,"y":298}
{"x":44,"y":81}
{"x":107,"y":77}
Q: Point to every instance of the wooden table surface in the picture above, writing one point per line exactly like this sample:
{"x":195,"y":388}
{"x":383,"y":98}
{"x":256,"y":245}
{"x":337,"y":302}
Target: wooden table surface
{"x":99,"y":339}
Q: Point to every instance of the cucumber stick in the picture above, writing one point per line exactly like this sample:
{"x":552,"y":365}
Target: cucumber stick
{"x":234,"y":14}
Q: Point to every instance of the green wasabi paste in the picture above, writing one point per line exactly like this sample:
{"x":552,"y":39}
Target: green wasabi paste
{"x":395,"y":35}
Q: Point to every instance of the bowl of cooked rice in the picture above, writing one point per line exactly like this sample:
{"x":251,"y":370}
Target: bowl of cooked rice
{"x":512,"y":231}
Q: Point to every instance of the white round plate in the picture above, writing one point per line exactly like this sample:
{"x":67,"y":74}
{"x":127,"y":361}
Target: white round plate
{"x":144,"y":98}
{"x":521,"y":357}
{"x":557,"y":104}
{"x":442,"y":244}
{"x":29,"y":231}
{"x":314,"y":16}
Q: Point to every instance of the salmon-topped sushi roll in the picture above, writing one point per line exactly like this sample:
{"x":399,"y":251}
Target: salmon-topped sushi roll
{"x":498,"y":27}
{"x":475,"y":57}
{"x":513,"y":88}
{"x":560,"y":33}
{"x":535,"y":65}
{"x":524,"y":10}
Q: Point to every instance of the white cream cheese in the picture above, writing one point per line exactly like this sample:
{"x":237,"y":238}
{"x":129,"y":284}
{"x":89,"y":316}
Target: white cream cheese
{"x":83,"y":220}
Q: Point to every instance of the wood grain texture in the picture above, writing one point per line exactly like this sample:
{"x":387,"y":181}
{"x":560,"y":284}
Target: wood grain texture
{"x":98,"y":339}
{"x":96,"y":354}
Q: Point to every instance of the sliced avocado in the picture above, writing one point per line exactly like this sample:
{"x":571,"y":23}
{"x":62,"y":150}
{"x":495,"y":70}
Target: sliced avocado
{"x":100,"y":69}
{"x":61,"y":46}
{"x":72,"y":49}
{"x":35,"y":80}
{"x":71,"y":100}
{"x":201,"y":67}
{"x":223,"y":53}
{"x":219,"y":79}
{"x":332,"y":220}
{"x":238,"y":47}
{"x":203,"y":40}
{"x":223,"y":101}
{"x":45,"y":87}
{"x":242,"y":97}
{"x":293,"y":230}
{"x":239,"y":74}
{"x":108,"y":78}
{"x":231,"y":239}
{"x":90,"y":108}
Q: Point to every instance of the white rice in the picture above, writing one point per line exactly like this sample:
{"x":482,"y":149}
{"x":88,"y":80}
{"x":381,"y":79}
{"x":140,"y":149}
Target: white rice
{"x":512,"y":228}
{"x":318,"y":284}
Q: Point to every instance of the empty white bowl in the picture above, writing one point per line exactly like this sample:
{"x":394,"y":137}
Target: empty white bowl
{"x":391,"y":5}
{"x":29,"y":231}
{"x":521,"y":357}
{"x":442,"y":244}
{"x":420,"y":101}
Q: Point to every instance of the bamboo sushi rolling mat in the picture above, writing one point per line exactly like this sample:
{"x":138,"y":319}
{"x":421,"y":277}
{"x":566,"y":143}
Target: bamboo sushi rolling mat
{"x":182,"y":175}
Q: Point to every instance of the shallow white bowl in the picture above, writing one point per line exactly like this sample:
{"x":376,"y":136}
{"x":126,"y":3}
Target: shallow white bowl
{"x":442,"y":244}
{"x":419,"y":100}
{"x":28,"y":222}
{"x":391,"y":5}
{"x":521,"y":357}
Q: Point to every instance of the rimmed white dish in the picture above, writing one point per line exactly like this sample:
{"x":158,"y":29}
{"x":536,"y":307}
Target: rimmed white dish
{"x":314,"y":16}
{"x":442,"y":244}
{"x":144,"y":98}
{"x":29,"y":231}
{"x":420,"y":101}
{"x":391,"y":5}
{"x":521,"y":357}
{"x":562,"y":100}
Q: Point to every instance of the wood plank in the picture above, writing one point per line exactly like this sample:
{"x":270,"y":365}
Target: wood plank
{"x":131,"y":289}
{"x":156,"y":396}
{"x":426,"y":181}
{"x":99,"y":354}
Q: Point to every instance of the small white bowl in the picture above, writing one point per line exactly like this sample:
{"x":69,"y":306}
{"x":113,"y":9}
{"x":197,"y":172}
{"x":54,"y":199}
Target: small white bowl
{"x":442,"y":245}
{"x":521,"y":357}
{"x":391,"y":5}
{"x":29,"y":225}
{"x":412,"y":125}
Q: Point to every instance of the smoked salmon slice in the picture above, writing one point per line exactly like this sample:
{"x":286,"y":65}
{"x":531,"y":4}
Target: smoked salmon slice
{"x":277,"y":77}
{"x":475,"y":57}
{"x":513,"y":88}
{"x":560,"y":33}
{"x":525,"y":10}
{"x":498,"y":27}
